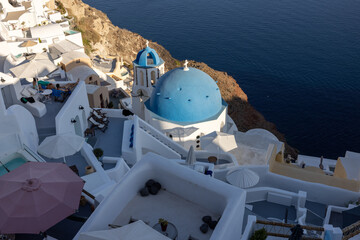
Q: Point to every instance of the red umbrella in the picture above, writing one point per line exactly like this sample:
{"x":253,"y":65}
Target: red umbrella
{"x":36,"y":196}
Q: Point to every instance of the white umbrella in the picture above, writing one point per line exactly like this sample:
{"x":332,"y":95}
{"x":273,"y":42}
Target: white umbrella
{"x":137,"y":230}
{"x":180,"y":132}
{"x":60,"y":146}
{"x":40,"y":66}
{"x":190,"y":158}
{"x":242,"y":177}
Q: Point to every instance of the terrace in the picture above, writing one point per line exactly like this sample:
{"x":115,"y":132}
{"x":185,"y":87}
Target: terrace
{"x":184,"y":198}
{"x":111,"y":140}
{"x":185,"y":215}
{"x":105,"y":65}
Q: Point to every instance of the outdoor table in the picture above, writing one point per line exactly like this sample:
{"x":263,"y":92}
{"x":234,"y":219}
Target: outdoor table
{"x":171,"y":231}
{"x":46,"y":93}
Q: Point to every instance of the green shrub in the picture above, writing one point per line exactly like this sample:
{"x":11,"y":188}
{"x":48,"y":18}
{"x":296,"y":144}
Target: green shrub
{"x":98,"y":152}
{"x":110,"y":105}
{"x":60,"y":7}
{"x":260,"y":234}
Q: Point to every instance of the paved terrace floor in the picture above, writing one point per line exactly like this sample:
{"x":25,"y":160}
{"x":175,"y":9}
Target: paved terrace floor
{"x":111,"y":140}
{"x":46,"y":124}
{"x":185,"y":215}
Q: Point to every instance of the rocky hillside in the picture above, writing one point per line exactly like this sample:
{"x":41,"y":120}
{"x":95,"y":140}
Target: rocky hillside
{"x":102,"y":37}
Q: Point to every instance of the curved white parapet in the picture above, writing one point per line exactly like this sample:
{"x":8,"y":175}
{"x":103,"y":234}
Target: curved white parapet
{"x":195,"y":189}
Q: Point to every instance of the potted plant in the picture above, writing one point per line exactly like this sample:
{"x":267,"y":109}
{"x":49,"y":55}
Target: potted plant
{"x":260,"y":234}
{"x":163,"y":224}
{"x":98,"y":152}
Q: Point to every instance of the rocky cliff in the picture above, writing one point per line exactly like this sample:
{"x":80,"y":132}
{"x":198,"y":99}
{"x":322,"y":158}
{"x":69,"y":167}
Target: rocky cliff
{"x":102,"y":37}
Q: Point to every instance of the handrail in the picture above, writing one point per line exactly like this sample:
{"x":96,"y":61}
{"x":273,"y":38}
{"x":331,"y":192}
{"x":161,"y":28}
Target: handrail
{"x":320,"y":229}
{"x":351,"y":230}
{"x":33,"y":154}
{"x":161,"y":136}
{"x":315,"y":214}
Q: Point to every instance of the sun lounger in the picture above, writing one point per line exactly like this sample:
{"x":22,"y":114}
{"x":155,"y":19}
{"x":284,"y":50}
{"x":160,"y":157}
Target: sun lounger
{"x":98,"y":111}
{"x":100,"y":117}
{"x":98,"y":125}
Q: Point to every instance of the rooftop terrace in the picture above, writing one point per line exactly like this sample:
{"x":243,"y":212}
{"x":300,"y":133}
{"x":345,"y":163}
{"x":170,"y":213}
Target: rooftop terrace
{"x":185,"y":215}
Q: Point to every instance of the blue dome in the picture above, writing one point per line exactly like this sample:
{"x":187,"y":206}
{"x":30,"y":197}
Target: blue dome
{"x":185,"y":96}
{"x":148,"y":57}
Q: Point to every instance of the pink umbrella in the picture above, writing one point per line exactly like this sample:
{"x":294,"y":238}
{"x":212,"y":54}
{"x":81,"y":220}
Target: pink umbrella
{"x":36,"y":196}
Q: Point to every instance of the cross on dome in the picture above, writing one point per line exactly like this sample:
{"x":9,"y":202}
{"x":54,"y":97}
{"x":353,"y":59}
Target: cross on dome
{"x":186,"y":65}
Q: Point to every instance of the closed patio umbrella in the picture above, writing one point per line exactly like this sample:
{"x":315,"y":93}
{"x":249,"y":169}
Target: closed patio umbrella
{"x":61,"y":145}
{"x":242,"y":177}
{"x":36,"y":196}
{"x":190,"y":158}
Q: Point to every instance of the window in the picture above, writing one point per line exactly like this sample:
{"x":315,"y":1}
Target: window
{"x":153,"y":79}
{"x":142,"y":78}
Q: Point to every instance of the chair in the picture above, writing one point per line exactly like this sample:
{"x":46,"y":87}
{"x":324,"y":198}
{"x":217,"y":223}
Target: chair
{"x":98,"y":125}
{"x":98,"y":111}
{"x":100,"y":117}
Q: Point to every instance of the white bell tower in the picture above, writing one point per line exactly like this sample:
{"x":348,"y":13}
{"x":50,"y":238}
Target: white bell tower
{"x":148,"y":68}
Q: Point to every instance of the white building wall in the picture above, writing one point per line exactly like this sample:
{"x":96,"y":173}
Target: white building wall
{"x":75,"y":38}
{"x":27,"y":20}
{"x":55,"y":16}
{"x":71,"y":109}
{"x":38,"y":7}
{"x":204,"y":128}
{"x":26,"y":126}
{"x":4,"y":32}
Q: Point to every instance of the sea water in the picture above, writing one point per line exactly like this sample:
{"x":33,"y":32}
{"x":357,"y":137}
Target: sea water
{"x":297,"y":60}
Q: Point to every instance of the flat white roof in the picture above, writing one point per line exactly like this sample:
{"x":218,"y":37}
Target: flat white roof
{"x":82,"y":72}
{"x":47,"y":31}
{"x":69,"y":56}
{"x":62,"y":47}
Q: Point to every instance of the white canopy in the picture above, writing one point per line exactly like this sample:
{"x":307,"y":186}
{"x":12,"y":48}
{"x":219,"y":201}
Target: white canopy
{"x":62,"y":145}
{"x":242,"y":177}
{"x":137,"y":230}
{"x":215,"y":140}
{"x":40,"y":66}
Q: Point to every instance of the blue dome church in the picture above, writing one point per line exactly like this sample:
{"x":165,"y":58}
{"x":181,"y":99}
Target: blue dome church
{"x":185,"y":96}
{"x":186,"y":104}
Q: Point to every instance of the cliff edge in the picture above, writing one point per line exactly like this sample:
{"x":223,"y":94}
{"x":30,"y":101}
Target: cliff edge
{"x":102,"y":37}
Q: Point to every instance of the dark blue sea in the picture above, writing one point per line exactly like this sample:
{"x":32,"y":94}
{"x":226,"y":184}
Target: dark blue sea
{"x":297,"y":60}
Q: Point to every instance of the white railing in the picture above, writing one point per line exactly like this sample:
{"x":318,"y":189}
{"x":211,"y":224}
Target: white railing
{"x":33,"y":154}
{"x":162,"y":138}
